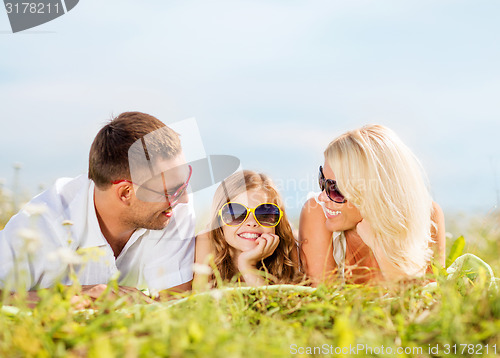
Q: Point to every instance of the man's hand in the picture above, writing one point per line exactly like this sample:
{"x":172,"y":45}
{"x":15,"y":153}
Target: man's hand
{"x":90,"y":293}
{"x":174,"y":292}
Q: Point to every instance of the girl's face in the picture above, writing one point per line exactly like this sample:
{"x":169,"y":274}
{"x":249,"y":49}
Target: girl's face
{"x":339,"y":217}
{"x":243,"y":237}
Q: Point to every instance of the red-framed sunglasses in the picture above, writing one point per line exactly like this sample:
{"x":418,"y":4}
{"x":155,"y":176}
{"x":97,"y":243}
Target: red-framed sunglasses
{"x":330,"y":188}
{"x":150,"y":195}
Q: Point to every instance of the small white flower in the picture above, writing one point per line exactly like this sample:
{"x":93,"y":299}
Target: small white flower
{"x":32,"y":239}
{"x":66,"y":256}
{"x":449,"y":235}
{"x":35,"y":209}
{"x":202,"y":269}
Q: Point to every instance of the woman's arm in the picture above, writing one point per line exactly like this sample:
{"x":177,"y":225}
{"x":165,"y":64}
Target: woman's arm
{"x":315,"y":243}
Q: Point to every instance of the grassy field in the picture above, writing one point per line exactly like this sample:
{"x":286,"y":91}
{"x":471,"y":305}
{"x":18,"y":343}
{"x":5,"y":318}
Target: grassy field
{"x":455,"y":318}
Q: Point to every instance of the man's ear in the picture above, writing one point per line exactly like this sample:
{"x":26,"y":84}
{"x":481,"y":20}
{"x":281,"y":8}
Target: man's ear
{"x":124,"y":192}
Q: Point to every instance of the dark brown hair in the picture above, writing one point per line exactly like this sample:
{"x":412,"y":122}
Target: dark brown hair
{"x":108,"y":157}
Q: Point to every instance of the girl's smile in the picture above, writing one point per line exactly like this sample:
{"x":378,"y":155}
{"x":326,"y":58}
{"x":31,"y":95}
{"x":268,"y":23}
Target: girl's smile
{"x":249,"y":235}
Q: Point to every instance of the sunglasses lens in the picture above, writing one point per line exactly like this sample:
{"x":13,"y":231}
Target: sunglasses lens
{"x":330,"y":187}
{"x":233,"y":214}
{"x":333,"y":193}
{"x":268,"y":214}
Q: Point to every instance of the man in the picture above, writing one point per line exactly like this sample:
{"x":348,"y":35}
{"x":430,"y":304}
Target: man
{"x":129,"y":219}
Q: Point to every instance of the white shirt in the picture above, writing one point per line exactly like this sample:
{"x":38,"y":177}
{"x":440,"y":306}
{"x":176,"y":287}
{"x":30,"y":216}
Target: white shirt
{"x":37,"y":250}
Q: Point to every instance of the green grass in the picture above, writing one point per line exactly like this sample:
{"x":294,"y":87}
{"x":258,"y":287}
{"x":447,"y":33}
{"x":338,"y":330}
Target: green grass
{"x":454,"y":318}
{"x":260,"y":323}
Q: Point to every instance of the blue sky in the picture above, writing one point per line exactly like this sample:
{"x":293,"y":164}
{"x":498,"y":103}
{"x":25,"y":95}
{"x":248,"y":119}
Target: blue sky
{"x":271,"y":82}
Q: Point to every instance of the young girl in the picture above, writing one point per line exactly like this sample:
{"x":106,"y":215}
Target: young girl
{"x":250,"y":235}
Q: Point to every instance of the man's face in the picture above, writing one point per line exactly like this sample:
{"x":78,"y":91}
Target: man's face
{"x":150,"y":208}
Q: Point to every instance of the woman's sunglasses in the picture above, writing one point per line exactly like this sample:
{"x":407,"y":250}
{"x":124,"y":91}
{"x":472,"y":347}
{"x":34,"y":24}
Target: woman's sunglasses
{"x":330,"y":187}
{"x":235,"y":214}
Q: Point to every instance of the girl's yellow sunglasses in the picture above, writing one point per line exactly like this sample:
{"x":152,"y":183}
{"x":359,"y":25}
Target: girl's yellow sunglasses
{"x":235,"y":214}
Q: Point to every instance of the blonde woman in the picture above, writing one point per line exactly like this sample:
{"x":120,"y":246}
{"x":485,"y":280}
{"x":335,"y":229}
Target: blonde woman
{"x":250,"y":238}
{"x":374,"y":219}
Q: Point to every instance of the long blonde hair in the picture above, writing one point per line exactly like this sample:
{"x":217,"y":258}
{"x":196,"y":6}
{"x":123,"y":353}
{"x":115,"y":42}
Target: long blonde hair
{"x":280,"y":264}
{"x":381,"y":176}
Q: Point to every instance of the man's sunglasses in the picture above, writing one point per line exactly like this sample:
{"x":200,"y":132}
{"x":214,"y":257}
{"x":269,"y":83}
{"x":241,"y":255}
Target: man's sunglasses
{"x":330,"y":187}
{"x":235,"y":214}
{"x":150,"y":195}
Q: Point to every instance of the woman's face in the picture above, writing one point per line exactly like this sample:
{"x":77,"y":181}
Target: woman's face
{"x":243,"y":237}
{"x":339,"y":217}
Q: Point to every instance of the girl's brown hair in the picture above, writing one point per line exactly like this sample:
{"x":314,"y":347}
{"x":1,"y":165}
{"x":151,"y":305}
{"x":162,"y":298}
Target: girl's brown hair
{"x":279,"y":267}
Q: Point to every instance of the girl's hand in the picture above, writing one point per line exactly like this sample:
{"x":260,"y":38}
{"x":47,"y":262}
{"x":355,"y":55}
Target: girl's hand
{"x":247,"y":261}
{"x":266,"y":244}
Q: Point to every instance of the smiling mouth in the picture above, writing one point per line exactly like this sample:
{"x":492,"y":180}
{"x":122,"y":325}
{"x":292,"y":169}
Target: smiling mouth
{"x":332,"y":213}
{"x":249,"y":235}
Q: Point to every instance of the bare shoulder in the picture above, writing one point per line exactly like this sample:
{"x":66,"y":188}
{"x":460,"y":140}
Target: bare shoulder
{"x":437,"y":212}
{"x":438,"y":233}
{"x":437,"y":217}
{"x":312,"y":222}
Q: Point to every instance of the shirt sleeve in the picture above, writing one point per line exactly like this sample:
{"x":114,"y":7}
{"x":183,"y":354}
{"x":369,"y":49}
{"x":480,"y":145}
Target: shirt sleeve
{"x":25,"y":243}
{"x":28,"y":241}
